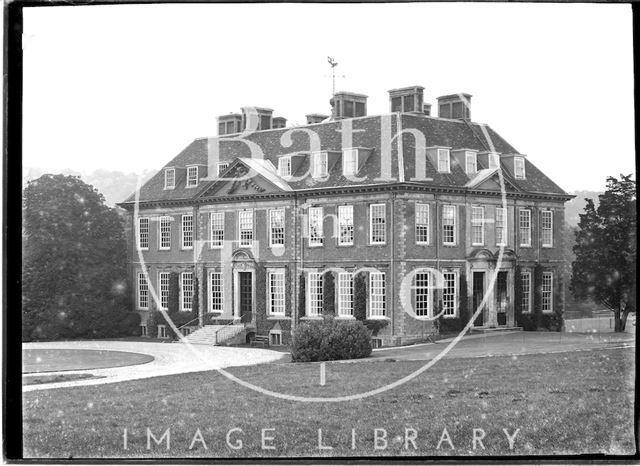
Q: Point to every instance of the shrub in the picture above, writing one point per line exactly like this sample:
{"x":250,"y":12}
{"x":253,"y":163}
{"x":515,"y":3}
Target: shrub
{"x":360,"y":297}
{"x":330,"y":339}
{"x":329,"y":294}
{"x":301,"y":296}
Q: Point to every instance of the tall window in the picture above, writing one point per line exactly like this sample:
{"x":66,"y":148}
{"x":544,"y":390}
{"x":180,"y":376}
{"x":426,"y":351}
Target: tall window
{"x":315,"y":293}
{"x":501,"y":226}
{"x":444,"y":161}
{"x":143,"y":292}
{"x":525,"y":227}
{"x":165,"y":233}
{"x":376,"y":294}
{"x":494,"y":160}
{"x":187,"y":291}
{"x":349,"y":162}
{"x":316,"y":233}
{"x":187,"y":231}
{"x":377,"y":223}
{"x":519,"y":168}
{"x":245,"y":228}
{"x":345,"y":294}
{"x":284,"y":166}
{"x":449,"y":293}
{"x":169,"y":178}
{"x":163,"y":279}
{"x":547,"y":228}
{"x":320,"y":165}
{"x":222,"y":166}
{"x":276,"y":227}
{"x":547,"y":291}
{"x":471,"y":162}
{"x":216,"y":295}
{"x":276,"y":292}
{"x":421,"y":294}
{"x":525,"y":278}
{"x":345,"y":223}
{"x":477,"y":226}
{"x":143,"y":232}
{"x":422,"y":223}
{"x":192,"y":176}
{"x":449,"y":225}
{"x":216,"y":221}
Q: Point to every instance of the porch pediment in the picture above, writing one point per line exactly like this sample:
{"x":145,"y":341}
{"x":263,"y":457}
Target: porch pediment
{"x":489,"y":180}
{"x":484,"y":254}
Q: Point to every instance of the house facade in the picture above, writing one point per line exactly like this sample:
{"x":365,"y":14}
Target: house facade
{"x":439,"y":216}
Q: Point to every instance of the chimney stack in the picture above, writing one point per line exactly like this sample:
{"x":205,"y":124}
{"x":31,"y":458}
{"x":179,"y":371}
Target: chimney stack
{"x":456,"y":106}
{"x":407,"y":99}
{"x":279,"y":122}
{"x":256,"y":118}
{"x":348,"y":105}
{"x":315,"y":118}
{"x":229,"y":124}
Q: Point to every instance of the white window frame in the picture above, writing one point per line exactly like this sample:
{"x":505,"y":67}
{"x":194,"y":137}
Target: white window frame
{"x":377,"y":226}
{"x":247,"y":240}
{"x":501,"y":225}
{"x":142,"y":292}
{"x":276,"y":292}
{"x":187,"y":231}
{"x":450,"y":312}
{"x":216,"y":290}
{"x":163,"y":289}
{"x":350,"y":162}
{"x":345,"y":223}
{"x":222,"y":166}
{"x":143,"y":233}
{"x":525,"y":295}
{"x":546,"y":293}
{"x":315,"y":294}
{"x":165,"y":219}
{"x":473,"y":157}
{"x":320,"y":164}
{"x":169,"y":178}
{"x":546,"y":227}
{"x":522,"y":228}
{"x":377,"y":295}
{"x":444,"y":161}
{"x":422,"y":224}
{"x":454,"y":241}
{"x":216,"y":225}
{"x":422,"y":294}
{"x":477,"y":222}
{"x":284,"y":166}
{"x":276,"y":239}
{"x":345,"y":294}
{"x":316,"y":214}
{"x":192,"y":176}
{"x":183,"y":295}
{"x":494,"y":160}
{"x":519,"y":168}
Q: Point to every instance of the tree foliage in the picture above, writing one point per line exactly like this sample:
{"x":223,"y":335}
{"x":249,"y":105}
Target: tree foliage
{"x":604,"y":268}
{"x":360,"y":297}
{"x":301,"y":295}
{"x":75,"y":265}
{"x":329,"y":294}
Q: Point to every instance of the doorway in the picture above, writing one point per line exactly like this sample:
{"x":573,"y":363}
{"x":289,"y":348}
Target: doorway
{"x":478,"y":295}
{"x":246,"y":296}
{"x":503,"y":298}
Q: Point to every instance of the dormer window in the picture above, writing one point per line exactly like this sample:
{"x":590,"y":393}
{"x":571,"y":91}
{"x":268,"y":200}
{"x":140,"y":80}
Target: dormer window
{"x":471,"y":162}
{"x":519,"y":168}
{"x":169,"y":178}
{"x":349,"y":162}
{"x":444,"y":161}
{"x":222,"y":166}
{"x":494,"y":160}
{"x":284,"y":166}
{"x":192,"y":176}
{"x":319,"y":165}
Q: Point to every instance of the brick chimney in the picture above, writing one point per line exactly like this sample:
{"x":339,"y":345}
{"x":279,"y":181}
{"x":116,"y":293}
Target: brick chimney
{"x":348,"y":105}
{"x":279,"y":122}
{"x":315,"y":118}
{"x":455,"y":106}
{"x":259,"y":117}
{"x":229,"y":124}
{"x":407,"y":99}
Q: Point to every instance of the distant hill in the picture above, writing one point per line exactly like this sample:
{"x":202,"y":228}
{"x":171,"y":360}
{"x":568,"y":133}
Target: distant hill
{"x":115,"y":186}
{"x":575,"y":207}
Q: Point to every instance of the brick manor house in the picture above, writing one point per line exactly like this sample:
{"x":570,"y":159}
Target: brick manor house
{"x":253,"y":221}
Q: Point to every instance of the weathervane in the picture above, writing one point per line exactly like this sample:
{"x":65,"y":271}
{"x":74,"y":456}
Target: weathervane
{"x":333,"y":64}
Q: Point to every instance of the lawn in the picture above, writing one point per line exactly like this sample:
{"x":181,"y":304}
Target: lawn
{"x":570,"y":403}
{"x":54,"y":360}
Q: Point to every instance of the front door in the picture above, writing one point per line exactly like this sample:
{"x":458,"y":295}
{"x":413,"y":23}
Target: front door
{"x":478,"y":294}
{"x":503,"y":299}
{"x":246,"y":296}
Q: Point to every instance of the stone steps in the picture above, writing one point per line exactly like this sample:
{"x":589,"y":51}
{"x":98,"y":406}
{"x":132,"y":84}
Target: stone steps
{"x":495,"y":329}
{"x":229,"y":335}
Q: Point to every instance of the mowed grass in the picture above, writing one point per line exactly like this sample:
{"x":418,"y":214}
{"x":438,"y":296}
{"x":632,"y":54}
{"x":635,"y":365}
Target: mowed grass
{"x":567,"y":403}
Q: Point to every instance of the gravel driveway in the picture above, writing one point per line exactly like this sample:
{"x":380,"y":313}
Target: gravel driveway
{"x":169,"y":358}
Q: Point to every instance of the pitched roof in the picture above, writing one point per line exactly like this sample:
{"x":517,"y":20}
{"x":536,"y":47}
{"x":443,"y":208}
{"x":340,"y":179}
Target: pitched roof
{"x":367,"y":133}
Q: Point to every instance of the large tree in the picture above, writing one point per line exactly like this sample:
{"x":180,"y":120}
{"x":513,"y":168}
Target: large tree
{"x":605,"y":249}
{"x":75,"y":265}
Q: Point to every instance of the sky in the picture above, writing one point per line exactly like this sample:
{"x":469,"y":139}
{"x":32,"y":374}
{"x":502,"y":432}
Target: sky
{"x":126,"y":87}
